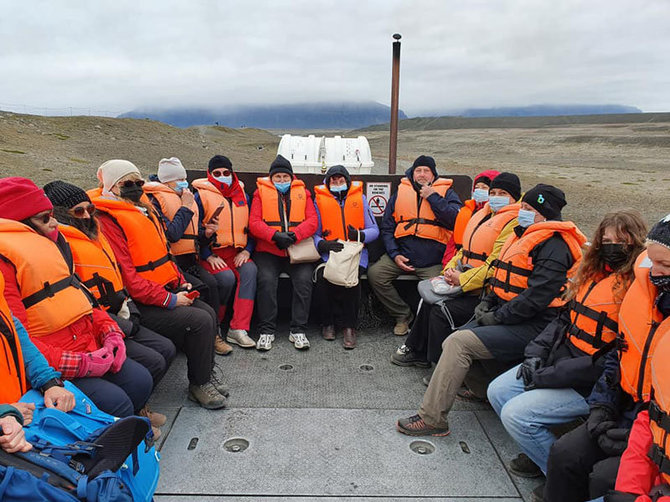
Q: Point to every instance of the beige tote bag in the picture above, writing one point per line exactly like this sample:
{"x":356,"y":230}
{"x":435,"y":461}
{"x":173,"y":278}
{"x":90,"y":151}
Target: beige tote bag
{"x":303,"y":252}
{"x":342,"y":267}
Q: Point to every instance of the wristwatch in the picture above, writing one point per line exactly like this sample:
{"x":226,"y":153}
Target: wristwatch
{"x":54,"y":382}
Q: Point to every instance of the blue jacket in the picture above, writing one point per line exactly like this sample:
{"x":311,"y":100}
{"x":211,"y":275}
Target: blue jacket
{"x":38,"y":371}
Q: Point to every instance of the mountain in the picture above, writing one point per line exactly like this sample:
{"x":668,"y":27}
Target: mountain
{"x":343,"y":115}
{"x":536,"y":111}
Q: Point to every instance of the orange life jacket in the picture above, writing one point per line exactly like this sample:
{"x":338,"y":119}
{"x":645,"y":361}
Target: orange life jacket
{"x":12,"y":369}
{"x":52,"y":295}
{"x":170,"y":202}
{"x":414,"y":216}
{"x":641,"y":327}
{"x":462,"y":220}
{"x":233,"y":225}
{"x":336,"y":218}
{"x":147,"y":244}
{"x":594,"y":315}
{"x":95,"y":264}
{"x":271,"y":201}
{"x":659,"y":408}
{"x":481,"y":233}
{"x":514,"y":264}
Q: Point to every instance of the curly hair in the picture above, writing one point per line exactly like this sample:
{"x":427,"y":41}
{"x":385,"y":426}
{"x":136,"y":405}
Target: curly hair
{"x":630,"y":228}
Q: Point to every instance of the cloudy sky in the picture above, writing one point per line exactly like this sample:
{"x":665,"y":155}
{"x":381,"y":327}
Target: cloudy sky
{"x":122,"y":54}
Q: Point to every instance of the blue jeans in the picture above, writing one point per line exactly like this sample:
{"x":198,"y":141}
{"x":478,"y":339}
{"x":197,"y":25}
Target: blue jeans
{"x":527,"y":415}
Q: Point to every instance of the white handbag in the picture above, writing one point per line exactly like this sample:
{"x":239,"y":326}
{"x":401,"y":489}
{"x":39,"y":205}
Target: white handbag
{"x":303,"y":251}
{"x":342,"y":267}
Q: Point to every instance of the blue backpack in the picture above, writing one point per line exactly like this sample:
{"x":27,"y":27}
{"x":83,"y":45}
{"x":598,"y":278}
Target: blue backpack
{"x":139,"y":472}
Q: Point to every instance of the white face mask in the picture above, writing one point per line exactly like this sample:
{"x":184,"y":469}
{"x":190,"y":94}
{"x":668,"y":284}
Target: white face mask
{"x":526,"y":218}
{"x":480,"y":195}
{"x":497,"y":202}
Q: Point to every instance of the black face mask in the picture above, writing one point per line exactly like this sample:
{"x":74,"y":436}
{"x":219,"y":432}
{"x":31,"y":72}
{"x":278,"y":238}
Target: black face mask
{"x":88,"y":226}
{"x":133,"y":192}
{"x":614,"y":255}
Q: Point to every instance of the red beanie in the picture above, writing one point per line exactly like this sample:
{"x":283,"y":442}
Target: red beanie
{"x":20,"y":198}
{"x":487,"y":176}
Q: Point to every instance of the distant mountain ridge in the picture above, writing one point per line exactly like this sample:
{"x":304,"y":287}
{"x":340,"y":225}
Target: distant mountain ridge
{"x":342,"y":115}
{"x":548,"y":111}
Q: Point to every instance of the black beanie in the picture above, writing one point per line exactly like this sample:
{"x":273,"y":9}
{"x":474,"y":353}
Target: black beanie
{"x":547,"y":200}
{"x":425,"y":160}
{"x":660,"y":233}
{"x":508,"y":182}
{"x":64,"y":194}
{"x":219,"y":162}
{"x":281,"y":165}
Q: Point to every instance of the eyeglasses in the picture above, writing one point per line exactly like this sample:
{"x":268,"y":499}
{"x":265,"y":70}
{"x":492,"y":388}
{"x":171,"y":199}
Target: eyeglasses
{"x":217,"y":173}
{"x":129,"y":183}
{"x":44,"y":218}
{"x":79,"y":211}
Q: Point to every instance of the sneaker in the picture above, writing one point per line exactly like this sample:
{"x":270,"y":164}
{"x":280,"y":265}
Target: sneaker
{"x":206,"y":396}
{"x":537,"y":495}
{"x":218,"y":380}
{"x":221,"y":347}
{"x":156,"y":419}
{"x":240,"y":337}
{"x":524,"y":467}
{"x":404,"y":356}
{"x":299,"y":340}
{"x":415,"y":426}
{"x":401,"y":327}
{"x":265,"y":342}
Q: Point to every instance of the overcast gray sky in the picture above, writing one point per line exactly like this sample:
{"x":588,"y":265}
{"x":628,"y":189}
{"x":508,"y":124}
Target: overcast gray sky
{"x":121,"y":54}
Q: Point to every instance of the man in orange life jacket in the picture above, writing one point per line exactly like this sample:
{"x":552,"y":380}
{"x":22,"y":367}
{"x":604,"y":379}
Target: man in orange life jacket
{"x":415,"y":228}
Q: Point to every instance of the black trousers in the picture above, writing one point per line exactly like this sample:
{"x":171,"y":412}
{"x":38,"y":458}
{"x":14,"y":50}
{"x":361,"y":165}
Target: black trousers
{"x":201,"y":280}
{"x":578,"y":470}
{"x":337,"y":306}
{"x":269,"y":268}
{"x":432,"y":325}
{"x":192,"y":329}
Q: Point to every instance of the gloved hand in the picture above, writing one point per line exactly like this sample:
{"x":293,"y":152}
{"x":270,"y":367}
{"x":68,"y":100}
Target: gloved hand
{"x":600,"y":420}
{"x":487,"y":318}
{"x":482,"y":307}
{"x":352,"y":234}
{"x":117,"y":347}
{"x":614,"y":441}
{"x":527,"y":371}
{"x":95,"y":364}
{"x":284,"y":239}
{"x":326,"y":246}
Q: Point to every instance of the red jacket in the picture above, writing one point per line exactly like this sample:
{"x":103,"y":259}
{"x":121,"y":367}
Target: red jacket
{"x":263,"y":233}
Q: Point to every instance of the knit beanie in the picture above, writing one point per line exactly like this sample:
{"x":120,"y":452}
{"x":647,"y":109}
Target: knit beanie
{"x":425,"y":160}
{"x":486,"y":177}
{"x":508,"y":182}
{"x":546,"y":200}
{"x":219,"y":162}
{"x":113,"y":170}
{"x":170,"y":170}
{"x":281,"y":165}
{"x":64,"y":194}
{"x":660,"y":233}
{"x":20,"y":198}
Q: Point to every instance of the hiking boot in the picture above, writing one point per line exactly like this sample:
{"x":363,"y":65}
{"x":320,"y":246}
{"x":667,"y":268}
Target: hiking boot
{"x":328,"y":332}
{"x":415,"y":426}
{"x":265,"y":342}
{"x":240,"y":337}
{"x":156,"y":431}
{"x":206,"y":396}
{"x":221,"y":347}
{"x":218,"y":380}
{"x":537,"y":495}
{"x":299,"y":341}
{"x":401,"y":327}
{"x":349,"y":341}
{"x":156,"y":419}
{"x":405,"y":356}
{"x":524,"y":467}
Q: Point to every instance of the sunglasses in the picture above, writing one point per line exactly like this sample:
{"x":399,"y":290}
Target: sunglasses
{"x":79,"y":211}
{"x":129,"y":183}
{"x":217,"y":173}
{"x":44,"y":218}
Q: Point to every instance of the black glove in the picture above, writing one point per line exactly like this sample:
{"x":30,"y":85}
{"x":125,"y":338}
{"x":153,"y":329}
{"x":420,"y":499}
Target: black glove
{"x":326,"y":246}
{"x":482,"y":308}
{"x":284,"y":239}
{"x":614,"y":441}
{"x":527,"y":371}
{"x":352,"y":234}
{"x":600,"y":420}
{"x":487,"y":318}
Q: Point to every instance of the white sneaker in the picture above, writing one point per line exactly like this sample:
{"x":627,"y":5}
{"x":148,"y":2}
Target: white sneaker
{"x":240,"y":337}
{"x":299,"y":340}
{"x":265,"y":342}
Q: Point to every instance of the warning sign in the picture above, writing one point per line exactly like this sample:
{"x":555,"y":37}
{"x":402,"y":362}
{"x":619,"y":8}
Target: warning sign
{"x":378,"y":194}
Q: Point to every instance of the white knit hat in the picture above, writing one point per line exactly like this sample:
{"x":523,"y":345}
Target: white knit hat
{"x":113,"y":170}
{"x":170,"y":170}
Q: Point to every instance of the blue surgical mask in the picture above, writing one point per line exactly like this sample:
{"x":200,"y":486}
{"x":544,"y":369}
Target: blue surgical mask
{"x":283,"y":187}
{"x":497,"y":202}
{"x":480,"y":195}
{"x":339,"y":188}
{"x":226,"y":180}
{"x":526,"y":218}
{"x":181,"y":185}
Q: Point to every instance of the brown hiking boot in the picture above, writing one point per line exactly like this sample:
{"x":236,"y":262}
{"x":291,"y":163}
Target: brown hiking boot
{"x":221,"y":347}
{"x":328,"y":332}
{"x":415,"y":426}
{"x":349,"y":338}
{"x":206,"y":396}
{"x":401,"y":327}
{"x":156,"y":419}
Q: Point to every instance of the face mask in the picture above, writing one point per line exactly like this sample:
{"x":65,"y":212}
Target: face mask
{"x":614,"y":255}
{"x":480,"y":195}
{"x":226,"y":180}
{"x":526,"y":218}
{"x":497,"y":202}
{"x":283,"y":187}
{"x":53,"y":235}
{"x":339,"y":188}
{"x":132,"y":193}
{"x":662,"y":282}
{"x":181,"y":185}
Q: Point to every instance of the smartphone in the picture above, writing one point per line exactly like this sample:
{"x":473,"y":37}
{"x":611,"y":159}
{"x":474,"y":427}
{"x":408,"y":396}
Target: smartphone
{"x":193,"y":294}
{"x":216,"y":214}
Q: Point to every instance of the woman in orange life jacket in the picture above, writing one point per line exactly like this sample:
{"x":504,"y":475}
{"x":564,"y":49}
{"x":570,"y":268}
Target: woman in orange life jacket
{"x":154,"y":281}
{"x":77,"y":339}
{"x":485,"y":235}
{"x":564,"y":362}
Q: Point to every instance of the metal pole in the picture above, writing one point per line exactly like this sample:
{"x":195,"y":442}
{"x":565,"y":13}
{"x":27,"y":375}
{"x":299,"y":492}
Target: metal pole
{"x":395,"y":90}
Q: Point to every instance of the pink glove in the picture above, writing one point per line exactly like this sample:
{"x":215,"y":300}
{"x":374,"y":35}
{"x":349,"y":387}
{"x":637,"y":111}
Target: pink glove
{"x":117,"y":347}
{"x":95,"y":364}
